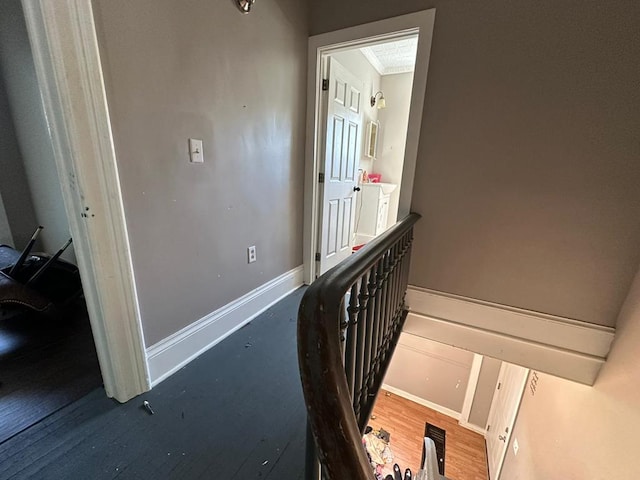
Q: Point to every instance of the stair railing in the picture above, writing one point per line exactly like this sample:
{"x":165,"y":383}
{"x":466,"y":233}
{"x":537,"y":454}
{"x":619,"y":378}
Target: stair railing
{"x":349,"y":323}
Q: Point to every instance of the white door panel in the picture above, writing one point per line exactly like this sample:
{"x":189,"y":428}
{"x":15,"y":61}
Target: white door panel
{"x":502,"y":415}
{"x":341,"y":159}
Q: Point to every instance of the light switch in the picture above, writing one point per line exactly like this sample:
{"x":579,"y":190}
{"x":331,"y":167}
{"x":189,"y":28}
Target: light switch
{"x":196,"y":155}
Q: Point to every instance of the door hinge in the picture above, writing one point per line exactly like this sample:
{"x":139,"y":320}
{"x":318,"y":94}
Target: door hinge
{"x":325,"y":84}
{"x":318,"y":257}
{"x":321,"y":178}
{"x":499,"y":385}
{"x":488,"y":427}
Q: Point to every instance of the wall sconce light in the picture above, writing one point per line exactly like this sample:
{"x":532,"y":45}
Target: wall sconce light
{"x":381,"y":101}
{"x":245,"y":5}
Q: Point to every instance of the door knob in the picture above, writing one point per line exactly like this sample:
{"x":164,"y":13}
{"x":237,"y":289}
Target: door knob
{"x":356,"y":189}
{"x":503,"y":438}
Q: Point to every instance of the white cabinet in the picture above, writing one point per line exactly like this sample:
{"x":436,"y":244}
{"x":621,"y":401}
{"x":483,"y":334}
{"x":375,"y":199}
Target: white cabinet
{"x":372,"y":211}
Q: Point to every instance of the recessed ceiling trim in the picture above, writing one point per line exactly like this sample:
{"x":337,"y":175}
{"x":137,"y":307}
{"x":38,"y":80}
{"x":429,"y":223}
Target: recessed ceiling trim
{"x":373,"y":60}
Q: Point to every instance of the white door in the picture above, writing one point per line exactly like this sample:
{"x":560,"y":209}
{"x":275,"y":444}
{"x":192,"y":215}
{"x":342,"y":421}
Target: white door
{"x":340,"y":166}
{"x":504,"y":408}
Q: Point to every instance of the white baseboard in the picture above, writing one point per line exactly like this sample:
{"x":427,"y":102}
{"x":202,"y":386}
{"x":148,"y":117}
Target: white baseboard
{"x":473,"y":428}
{"x":174,"y":352}
{"x":560,"y":346}
{"x":421,"y":401}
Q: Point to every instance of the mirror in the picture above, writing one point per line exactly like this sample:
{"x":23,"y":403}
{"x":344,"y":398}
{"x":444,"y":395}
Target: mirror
{"x":371,"y":148}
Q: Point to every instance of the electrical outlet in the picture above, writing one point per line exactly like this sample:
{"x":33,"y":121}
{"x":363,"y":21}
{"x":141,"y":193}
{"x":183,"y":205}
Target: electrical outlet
{"x":251,"y":254}
{"x":516,"y":447}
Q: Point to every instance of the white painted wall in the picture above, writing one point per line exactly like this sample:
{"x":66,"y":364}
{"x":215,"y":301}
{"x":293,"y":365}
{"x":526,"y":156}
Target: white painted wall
{"x":393,"y":133}
{"x":574,"y":432}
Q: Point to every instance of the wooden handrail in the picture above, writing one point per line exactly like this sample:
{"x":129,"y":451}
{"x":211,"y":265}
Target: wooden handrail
{"x":348,"y":326}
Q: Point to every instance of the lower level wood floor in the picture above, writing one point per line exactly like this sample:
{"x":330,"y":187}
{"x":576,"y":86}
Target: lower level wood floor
{"x":465,"y":455}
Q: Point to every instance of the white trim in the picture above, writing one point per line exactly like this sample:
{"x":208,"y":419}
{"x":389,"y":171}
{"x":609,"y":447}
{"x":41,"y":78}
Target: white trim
{"x":472,"y":384}
{"x":582,"y":337}
{"x":171,"y":354}
{"x":560,"y":346}
{"x":473,"y":427}
{"x":67,"y":60}
{"x":353,"y":37}
{"x":555,"y":361}
{"x":421,"y":401}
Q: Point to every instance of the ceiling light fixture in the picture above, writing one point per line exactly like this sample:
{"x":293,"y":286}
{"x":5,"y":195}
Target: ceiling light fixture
{"x":381,"y":101}
{"x":245,"y":5}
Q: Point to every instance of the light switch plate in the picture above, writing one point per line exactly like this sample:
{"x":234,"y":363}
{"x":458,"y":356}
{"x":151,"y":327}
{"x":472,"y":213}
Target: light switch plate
{"x":196,"y":154}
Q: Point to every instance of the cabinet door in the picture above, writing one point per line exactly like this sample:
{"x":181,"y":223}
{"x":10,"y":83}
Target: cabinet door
{"x":383,"y":214}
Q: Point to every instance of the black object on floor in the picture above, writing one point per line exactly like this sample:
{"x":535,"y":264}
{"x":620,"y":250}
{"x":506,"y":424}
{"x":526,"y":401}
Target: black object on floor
{"x":397,"y":474}
{"x":438,"y":435}
{"x":42,"y":283}
{"x":45,"y":364}
{"x":233,"y":413}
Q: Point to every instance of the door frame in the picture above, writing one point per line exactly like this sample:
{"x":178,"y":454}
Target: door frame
{"x":420,"y":23}
{"x":67,"y":60}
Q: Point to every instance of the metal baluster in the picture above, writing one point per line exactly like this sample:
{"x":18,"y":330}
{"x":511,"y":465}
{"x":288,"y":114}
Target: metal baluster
{"x":363,"y":299}
{"x":376,"y":332}
{"x":393,"y":295}
{"x":397,"y":303}
{"x":388,"y":306}
{"x":369,"y":339}
{"x":352,"y":327}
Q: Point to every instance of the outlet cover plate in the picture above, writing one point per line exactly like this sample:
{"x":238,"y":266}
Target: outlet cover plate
{"x":251,"y":254}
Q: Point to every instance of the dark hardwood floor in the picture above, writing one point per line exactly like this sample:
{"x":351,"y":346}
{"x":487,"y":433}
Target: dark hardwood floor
{"x":45,"y":364}
{"x":236,"y":412}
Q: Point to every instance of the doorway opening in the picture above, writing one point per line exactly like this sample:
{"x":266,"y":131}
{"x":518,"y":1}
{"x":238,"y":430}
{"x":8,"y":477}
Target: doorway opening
{"x":47,"y":353}
{"x":362,"y":140}
{"x":474,"y":399}
{"x":385,"y":72}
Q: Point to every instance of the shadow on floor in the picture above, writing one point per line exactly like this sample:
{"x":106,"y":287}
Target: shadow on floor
{"x":45,"y":364}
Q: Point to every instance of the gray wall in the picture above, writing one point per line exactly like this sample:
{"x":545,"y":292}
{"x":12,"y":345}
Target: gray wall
{"x":572,"y":431}
{"x":237,"y":82}
{"x":431,"y":371}
{"x":32,"y":133}
{"x":484,"y":391}
{"x":527,"y":174}
{"x":18,"y":221}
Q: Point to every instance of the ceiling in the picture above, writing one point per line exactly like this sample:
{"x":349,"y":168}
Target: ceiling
{"x":393,"y":57}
